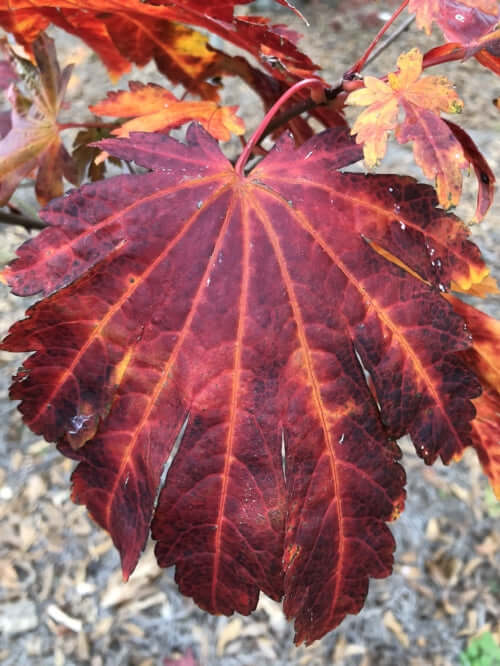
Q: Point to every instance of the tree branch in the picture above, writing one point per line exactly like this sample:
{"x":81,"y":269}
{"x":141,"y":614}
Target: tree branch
{"x":21,"y":220}
{"x":393,"y":36}
{"x":331,"y":93}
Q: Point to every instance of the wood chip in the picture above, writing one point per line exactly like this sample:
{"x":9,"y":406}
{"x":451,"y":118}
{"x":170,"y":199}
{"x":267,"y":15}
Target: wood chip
{"x":96,"y":551}
{"x":340,"y":647}
{"x":432,"y":531}
{"x":471,"y":626}
{"x":395,"y":626}
{"x":133,"y":629}
{"x":60,"y":617}
{"x":102,"y":627}
{"x":471,"y":566}
{"x":460,"y":492}
{"x":82,"y":648}
{"x":354,"y":650}
{"x":8,"y":575}
{"x":158,"y":599}
{"x":35,"y":488}
{"x":227,"y":634}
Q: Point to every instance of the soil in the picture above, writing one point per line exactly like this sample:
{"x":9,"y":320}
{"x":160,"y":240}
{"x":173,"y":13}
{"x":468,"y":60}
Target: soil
{"x":62,"y":601}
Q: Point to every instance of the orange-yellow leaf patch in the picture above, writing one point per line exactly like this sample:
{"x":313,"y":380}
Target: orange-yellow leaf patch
{"x":436,"y":149}
{"x":154,"y":108}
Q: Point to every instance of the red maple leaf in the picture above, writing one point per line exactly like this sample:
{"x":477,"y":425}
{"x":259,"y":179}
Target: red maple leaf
{"x":484,"y":359}
{"x":132,"y":30}
{"x":464,"y":22}
{"x":247,"y":310}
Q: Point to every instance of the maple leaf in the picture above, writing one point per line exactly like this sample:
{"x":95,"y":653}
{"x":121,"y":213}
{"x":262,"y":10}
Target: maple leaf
{"x":436,"y":149}
{"x":137,"y":31}
{"x":462,"y":22}
{"x":485,"y":176}
{"x":154,"y":108}
{"x":33,"y":141}
{"x":86,"y":155}
{"x":25,"y":24}
{"x":484,"y":359}
{"x":181,"y":53}
{"x":243,"y":312}
{"x":93,"y":32}
{"x":133,"y":31}
{"x":486,"y":50}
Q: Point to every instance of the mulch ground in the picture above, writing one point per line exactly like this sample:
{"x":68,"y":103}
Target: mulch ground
{"x":62,"y":601}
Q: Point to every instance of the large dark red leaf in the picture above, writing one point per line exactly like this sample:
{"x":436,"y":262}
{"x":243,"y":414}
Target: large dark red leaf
{"x":250,"y":308}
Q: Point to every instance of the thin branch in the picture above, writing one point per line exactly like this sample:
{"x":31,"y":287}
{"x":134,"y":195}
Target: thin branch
{"x":358,"y":66}
{"x":331,"y":93}
{"x":404,"y":26}
{"x":21,"y":220}
{"x":89,"y":125}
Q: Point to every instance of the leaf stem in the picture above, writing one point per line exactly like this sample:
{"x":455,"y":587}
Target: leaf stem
{"x":447,"y":52}
{"x":355,"y":69}
{"x":256,"y":136}
{"x":301,"y":107}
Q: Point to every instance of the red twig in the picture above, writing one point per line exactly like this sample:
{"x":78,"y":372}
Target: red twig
{"x":355,"y":69}
{"x":254,"y":139}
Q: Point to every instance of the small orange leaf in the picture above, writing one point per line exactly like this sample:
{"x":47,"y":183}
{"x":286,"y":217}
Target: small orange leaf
{"x":153,"y":108}
{"x":437,"y":151}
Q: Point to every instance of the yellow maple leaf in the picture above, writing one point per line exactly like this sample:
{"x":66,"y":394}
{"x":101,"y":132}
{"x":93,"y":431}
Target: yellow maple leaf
{"x":423,"y":99}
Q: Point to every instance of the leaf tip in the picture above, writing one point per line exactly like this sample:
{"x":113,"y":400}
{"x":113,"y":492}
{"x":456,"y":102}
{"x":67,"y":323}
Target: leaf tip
{"x":456,"y":106}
